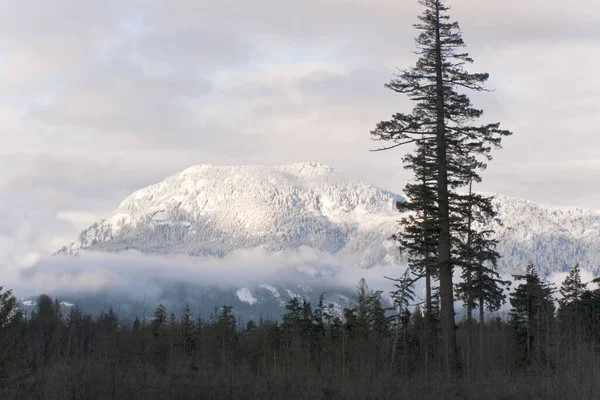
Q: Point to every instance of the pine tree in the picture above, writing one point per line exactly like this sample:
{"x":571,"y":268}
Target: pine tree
{"x":378,"y":320}
{"x":291,"y":320}
{"x":572,"y":311}
{"x":362,"y":305}
{"x":137,"y":325}
{"x":46,"y":325}
{"x":108,"y":322}
{"x":187,"y":329}
{"x":250,"y":326}
{"x":572,"y":287}
{"x":10,"y":318}
{"x":404,"y":293}
{"x":481,"y":286}
{"x":320,"y":315}
{"x":532,"y":314}
{"x":74,"y":326}
{"x":419,"y":229}
{"x":588,"y":312}
{"x":159,"y":319}
{"x":8,"y":307}
{"x":306,"y":321}
{"x":402,"y":297}
{"x":441,"y":121}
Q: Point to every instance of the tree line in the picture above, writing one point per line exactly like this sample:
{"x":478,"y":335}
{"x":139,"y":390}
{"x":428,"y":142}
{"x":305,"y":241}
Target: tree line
{"x":542,"y":348}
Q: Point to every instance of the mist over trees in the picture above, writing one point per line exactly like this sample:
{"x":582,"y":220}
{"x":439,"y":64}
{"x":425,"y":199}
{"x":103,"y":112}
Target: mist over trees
{"x":313,"y":351}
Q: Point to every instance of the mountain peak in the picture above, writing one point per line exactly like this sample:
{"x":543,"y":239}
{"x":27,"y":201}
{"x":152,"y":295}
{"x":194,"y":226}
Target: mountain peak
{"x":214,"y":209}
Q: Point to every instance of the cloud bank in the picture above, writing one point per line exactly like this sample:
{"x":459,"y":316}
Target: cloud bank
{"x":136,"y":275}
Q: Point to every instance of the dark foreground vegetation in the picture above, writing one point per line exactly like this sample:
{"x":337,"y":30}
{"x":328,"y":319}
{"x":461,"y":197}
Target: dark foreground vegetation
{"x":367,"y":353}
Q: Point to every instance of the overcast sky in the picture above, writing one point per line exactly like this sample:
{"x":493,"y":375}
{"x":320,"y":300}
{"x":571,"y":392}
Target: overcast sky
{"x":99,"y":98}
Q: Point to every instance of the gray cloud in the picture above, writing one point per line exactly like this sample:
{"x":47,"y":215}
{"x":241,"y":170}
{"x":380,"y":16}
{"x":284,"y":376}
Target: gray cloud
{"x":103,"y":97}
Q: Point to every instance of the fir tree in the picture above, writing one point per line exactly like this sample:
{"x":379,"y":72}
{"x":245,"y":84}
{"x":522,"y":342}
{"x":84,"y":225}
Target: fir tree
{"x":159,"y":319}
{"x":442,"y":122}
{"x":8,"y":307}
{"x":572,"y":310}
{"x":378,"y":320}
{"x":419,"y":229}
{"x":404,"y":293}
{"x":10,"y":318}
{"x":137,"y":325}
{"x":74,"y":326}
{"x":572,"y":287}
{"x":481,"y":286}
{"x":250,"y":326}
{"x":319,"y":318}
{"x":291,"y":320}
{"x":188,"y":328}
{"x":108,"y":322}
{"x":532,"y":314}
{"x":403,"y":296}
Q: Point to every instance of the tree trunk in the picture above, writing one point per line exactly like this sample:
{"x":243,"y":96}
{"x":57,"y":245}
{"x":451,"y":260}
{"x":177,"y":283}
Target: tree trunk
{"x":481,"y":335}
{"x":470,"y":297}
{"x":428,"y":319}
{"x":445,"y":263}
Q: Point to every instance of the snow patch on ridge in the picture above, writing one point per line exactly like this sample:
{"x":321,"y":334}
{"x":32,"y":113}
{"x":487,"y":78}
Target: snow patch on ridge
{"x":246,"y":296}
{"x":271,"y":289}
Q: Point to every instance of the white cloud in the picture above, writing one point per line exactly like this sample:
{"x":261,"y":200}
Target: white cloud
{"x":133,"y":274}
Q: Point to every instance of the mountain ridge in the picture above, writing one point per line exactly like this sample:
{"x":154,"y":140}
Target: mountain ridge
{"x":215,"y":209}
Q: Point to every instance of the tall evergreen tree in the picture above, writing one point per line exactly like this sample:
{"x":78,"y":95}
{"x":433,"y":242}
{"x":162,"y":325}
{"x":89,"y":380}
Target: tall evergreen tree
{"x":442,"y":122}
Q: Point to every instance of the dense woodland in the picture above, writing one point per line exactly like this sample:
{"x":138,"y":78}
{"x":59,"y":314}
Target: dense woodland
{"x":541,"y":349}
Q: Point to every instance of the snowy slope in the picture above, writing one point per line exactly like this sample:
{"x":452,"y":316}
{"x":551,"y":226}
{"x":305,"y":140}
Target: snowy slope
{"x":213,"y":210}
{"x":553,"y":238}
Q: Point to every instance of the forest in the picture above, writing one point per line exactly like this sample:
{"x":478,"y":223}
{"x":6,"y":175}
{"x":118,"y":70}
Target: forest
{"x":539,"y":350}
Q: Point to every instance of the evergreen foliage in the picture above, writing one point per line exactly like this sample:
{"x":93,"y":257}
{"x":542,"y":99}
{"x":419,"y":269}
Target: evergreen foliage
{"x":450,"y":150}
{"x":532,"y":316}
{"x":572,"y":287}
{"x":376,"y":353}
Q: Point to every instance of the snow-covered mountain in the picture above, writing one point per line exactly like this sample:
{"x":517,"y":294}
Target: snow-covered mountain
{"x":553,"y":238}
{"x":213,"y":210}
